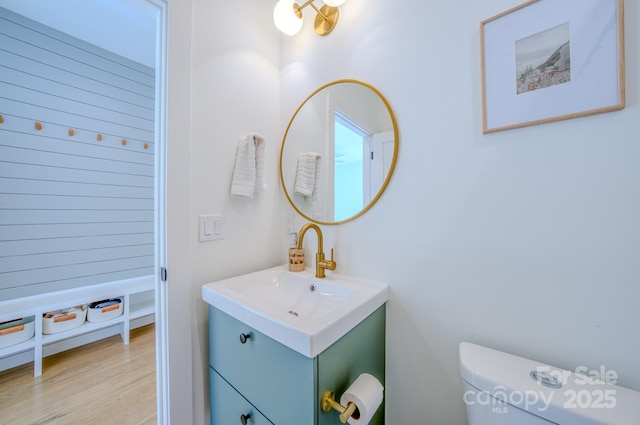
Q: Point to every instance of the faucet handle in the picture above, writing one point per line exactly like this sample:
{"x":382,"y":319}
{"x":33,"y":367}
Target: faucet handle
{"x":331,"y":264}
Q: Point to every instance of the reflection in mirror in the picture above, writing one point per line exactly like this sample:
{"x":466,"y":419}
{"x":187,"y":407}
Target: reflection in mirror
{"x":338,"y":152}
{"x":350,"y":179}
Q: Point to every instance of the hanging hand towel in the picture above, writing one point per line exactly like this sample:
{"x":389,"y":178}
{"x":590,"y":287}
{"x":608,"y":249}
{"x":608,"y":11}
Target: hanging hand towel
{"x":248,"y":173}
{"x":308,"y":174}
{"x":261,"y":183}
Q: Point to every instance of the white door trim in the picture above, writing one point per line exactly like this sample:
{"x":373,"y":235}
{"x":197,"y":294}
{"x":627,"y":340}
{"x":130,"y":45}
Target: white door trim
{"x":161,"y":299}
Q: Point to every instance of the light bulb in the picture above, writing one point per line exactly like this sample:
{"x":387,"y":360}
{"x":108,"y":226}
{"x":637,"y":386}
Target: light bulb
{"x":284,"y":16}
{"x":334,"y":3}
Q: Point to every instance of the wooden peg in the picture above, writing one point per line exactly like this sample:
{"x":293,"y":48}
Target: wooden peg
{"x":71,"y":132}
{"x":99,"y":137}
{"x":145,"y":146}
{"x":123,"y":142}
{"x":1,"y":119}
{"x":38,"y":126}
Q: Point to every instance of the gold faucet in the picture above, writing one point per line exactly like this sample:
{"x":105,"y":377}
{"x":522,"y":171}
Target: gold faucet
{"x":321,"y":263}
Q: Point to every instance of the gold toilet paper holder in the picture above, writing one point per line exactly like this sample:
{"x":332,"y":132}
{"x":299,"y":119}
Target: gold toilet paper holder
{"x":328,"y":402}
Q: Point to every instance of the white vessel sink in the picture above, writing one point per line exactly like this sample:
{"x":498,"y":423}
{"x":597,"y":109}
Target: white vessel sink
{"x":296,"y":309}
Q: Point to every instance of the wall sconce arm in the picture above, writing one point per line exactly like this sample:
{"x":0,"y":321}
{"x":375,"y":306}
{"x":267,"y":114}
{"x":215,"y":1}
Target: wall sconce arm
{"x":325,"y":22}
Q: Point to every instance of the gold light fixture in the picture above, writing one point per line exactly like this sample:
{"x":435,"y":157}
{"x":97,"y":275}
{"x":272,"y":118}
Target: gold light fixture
{"x":287,"y":15}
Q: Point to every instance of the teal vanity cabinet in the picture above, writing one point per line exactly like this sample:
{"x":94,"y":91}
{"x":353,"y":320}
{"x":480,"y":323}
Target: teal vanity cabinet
{"x":256,"y":380}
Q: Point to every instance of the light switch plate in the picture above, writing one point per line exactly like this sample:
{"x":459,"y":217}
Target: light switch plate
{"x":210,"y":228}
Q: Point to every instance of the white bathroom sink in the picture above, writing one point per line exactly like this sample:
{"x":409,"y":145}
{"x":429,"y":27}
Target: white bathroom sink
{"x":303,"y":312}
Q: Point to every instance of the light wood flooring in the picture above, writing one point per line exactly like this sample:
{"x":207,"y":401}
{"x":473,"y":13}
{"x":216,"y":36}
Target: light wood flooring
{"x":105,"y":382}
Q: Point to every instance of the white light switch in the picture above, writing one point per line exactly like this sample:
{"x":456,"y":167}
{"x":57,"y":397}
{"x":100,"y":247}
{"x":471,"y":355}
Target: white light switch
{"x":210,"y":228}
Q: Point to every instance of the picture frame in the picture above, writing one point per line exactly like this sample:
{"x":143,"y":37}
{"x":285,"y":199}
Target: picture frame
{"x":552,"y":60}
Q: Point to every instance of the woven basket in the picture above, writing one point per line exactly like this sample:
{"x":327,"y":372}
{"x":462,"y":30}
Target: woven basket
{"x":296,"y":259}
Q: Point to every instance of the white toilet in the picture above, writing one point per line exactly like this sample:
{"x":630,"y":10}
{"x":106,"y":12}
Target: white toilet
{"x":503,"y":389}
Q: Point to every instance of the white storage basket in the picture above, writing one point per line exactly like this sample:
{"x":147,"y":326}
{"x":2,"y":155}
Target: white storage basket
{"x":101,"y":311}
{"x":64,"y":320}
{"x":16,"y":331}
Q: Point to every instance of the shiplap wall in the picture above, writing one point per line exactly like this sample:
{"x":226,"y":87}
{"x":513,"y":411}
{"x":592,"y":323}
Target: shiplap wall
{"x":74,"y":210}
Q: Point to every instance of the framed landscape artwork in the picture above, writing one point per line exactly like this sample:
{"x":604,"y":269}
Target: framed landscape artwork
{"x":551,"y":60}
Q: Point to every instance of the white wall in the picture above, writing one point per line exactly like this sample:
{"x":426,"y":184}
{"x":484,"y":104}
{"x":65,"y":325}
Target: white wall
{"x":525,"y":240}
{"x":109,"y":24}
{"x":235,"y":90}
{"x":113,"y":96}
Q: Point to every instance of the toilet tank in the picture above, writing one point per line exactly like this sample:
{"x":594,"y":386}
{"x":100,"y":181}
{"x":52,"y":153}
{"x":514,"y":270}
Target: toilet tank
{"x":503,"y":389}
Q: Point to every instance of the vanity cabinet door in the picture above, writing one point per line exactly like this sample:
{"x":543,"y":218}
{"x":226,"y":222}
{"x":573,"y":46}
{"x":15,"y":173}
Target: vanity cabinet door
{"x":278,"y":381}
{"x":230,"y":408}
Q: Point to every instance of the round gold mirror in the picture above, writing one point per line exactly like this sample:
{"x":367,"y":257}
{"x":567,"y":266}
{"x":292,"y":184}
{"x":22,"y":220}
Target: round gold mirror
{"x":338,"y":152}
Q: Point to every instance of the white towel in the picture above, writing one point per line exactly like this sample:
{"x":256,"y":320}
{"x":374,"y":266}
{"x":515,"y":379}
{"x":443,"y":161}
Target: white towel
{"x":261,"y":183}
{"x":308,"y":174}
{"x":248,"y":173}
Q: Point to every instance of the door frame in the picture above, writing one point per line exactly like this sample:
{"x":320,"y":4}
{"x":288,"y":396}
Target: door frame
{"x":161,"y":292}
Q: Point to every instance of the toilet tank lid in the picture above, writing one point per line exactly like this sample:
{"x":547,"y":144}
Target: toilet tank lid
{"x":581,"y":399}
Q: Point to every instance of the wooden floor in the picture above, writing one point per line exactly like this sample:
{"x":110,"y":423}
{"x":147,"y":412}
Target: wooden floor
{"x":104,"y":383}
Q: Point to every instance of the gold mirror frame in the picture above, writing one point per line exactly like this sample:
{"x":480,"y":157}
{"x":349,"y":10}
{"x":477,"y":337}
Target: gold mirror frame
{"x":391,"y":167}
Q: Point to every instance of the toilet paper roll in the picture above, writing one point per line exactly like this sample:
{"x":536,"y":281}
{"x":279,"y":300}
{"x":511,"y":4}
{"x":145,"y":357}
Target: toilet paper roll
{"x":367,"y":393}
